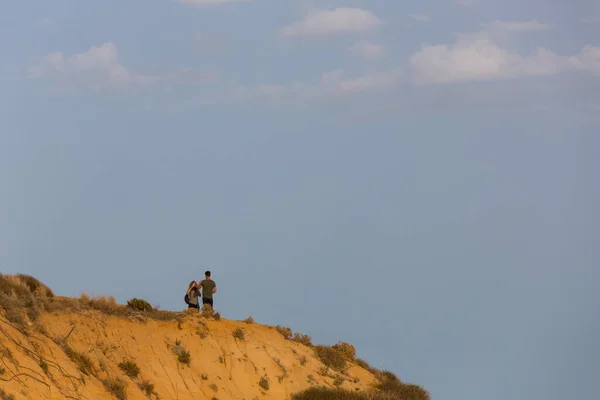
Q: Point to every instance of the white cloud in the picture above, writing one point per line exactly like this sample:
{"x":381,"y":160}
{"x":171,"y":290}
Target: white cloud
{"x":210,"y":3}
{"x":334,"y":21}
{"x":587,"y":60}
{"x":419,"y":17}
{"x":334,"y":85}
{"x":368,"y":50}
{"x":479,"y":59}
{"x":96,"y":69}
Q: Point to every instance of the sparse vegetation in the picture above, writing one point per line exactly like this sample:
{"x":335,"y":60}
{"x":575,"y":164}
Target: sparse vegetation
{"x":363,"y":364}
{"x":331,"y":357}
{"x":183,"y":355}
{"x":146,"y":387}
{"x":116,"y":387}
{"x":323,"y":393}
{"x":130,"y":368}
{"x":43,"y":365}
{"x":285,"y":331}
{"x":208,"y":312}
{"x":238,"y":334}
{"x":139,"y":305}
{"x":398,"y":391}
{"x":264,"y":382}
{"x":6,"y":396}
{"x":346,"y":350}
{"x":23,"y":297}
{"x":304,"y":339}
{"x":83,"y":362}
{"x":35,"y":286}
{"x":388,"y":388}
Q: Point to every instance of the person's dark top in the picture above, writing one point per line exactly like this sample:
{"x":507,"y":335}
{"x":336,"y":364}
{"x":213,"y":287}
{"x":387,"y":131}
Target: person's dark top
{"x":207,"y":286}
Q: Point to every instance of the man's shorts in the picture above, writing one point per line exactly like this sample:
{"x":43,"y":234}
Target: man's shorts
{"x":206,"y":300}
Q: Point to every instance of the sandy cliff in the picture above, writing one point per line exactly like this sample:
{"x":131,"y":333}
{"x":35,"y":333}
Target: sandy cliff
{"x":59,"y":348}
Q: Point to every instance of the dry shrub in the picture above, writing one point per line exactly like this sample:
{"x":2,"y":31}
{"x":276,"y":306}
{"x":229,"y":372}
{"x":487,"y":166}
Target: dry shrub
{"x":35,"y":286}
{"x":146,"y":387}
{"x":43,"y":365}
{"x":130,"y":368}
{"x":109,"y":306}
{"x":338,"y":380}
{"x":363,"y":364}
{"x":324,"y":393}
{"x":304,"y":339}
{"x":346,"y":350}
{"x":284,"y":331}
{"x":407,"y":392}
{"x":208,"y":312}
{"x":390,"y":385}
{"x":22,"y":298}
{"x":331,"y":357}
{"x":139,"y":305}
{"x":249,"y":320}
{"x":183,"y":355}
{"x":238,"y":333}
{"x":116,"y":387}
{"x":6,"y":396}
{"x":264,"y":382}
{"x":83,"y":362}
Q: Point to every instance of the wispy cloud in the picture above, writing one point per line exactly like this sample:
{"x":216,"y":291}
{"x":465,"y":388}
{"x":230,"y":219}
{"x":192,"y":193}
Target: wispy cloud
{"x":332,"y":22}
{"x":479,"y":59}
{"x":331,"y":86}
{"x":96,"y":69}
{"x":368,"y":50}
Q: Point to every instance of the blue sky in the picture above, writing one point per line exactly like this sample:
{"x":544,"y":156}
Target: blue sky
{"x":415,"y":178}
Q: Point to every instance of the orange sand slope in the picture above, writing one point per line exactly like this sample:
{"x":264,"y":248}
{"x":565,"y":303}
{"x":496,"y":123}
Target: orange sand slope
{"x":75,"y":354}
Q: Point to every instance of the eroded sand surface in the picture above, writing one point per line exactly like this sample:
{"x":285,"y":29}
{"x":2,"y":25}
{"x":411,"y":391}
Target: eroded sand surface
{"x":35,"y":367}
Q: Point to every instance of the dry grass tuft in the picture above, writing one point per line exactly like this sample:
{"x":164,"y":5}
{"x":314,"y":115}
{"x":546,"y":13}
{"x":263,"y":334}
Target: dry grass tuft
{"x":264,"y":382}
{"x":183,"y":355}
{"x":249,"y":320}
{"x":116,"y":387}
{"x":83,"y":362}
{"x":139,"y":305}
{"x":6,"y":396}
{"x":238,"y":334}
{"x":346,"y":350}
{"x":284,"y":331}
{"x":146,"y":387}
{"x":130,"y":368}
{"x":304,"y":339}
{"x":331,"y":357}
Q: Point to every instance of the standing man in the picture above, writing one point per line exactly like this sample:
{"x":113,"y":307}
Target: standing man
{"x":209,"y":287}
